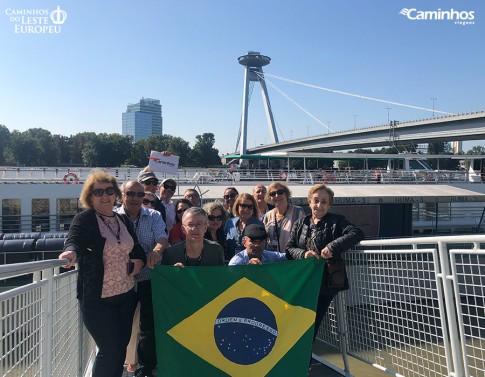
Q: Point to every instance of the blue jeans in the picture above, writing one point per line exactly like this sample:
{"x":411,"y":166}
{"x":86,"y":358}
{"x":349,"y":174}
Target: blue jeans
{"x":109,"y":320}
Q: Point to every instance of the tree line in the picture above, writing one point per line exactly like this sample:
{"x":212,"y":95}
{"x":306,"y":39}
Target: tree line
{"x":38,"y":147}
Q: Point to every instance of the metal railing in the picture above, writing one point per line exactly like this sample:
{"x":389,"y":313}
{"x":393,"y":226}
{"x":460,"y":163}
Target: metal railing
{"x":415,"y":307}
{"x":42,"y":332}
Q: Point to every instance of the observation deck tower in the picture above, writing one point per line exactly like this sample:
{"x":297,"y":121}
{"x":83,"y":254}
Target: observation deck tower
{"x":254,"y":61}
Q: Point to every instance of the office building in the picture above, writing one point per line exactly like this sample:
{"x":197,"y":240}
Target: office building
{"x":143,"y":119}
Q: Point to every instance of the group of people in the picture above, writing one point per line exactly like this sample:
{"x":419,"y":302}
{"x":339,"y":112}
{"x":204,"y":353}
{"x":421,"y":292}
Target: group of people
{"x":116,"y":246}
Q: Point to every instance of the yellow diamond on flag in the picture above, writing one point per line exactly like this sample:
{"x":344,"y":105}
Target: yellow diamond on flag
{"x":245,"y":330}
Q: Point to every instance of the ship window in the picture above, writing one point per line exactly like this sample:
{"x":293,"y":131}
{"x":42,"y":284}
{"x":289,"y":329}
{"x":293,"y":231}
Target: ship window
{"x":11,"y":215}
{"x":66,"y":209}
{"x":40,"y":215}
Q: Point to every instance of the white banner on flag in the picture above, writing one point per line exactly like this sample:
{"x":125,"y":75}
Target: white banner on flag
{"x":163,"y":164}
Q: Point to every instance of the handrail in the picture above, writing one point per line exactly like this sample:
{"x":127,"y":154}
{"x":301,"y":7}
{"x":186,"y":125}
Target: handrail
{"x":12,"y":270}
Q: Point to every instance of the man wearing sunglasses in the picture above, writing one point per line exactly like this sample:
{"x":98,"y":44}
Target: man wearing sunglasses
{"x":150,"y":183}
{"x":167,"y":189}
{"x":150,"y":230}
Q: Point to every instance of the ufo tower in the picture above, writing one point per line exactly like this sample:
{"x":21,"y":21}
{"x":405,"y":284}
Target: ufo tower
{"x":254,"y":62}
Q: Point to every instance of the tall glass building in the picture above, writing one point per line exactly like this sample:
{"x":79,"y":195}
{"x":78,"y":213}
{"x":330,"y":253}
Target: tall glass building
{"x":143,"y":119}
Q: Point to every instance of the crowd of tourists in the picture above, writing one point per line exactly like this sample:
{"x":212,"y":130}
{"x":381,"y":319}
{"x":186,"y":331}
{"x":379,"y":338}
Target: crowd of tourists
{"x":125,"y":231}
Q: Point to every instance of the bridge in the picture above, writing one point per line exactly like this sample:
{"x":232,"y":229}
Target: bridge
{"x":469,"y":126}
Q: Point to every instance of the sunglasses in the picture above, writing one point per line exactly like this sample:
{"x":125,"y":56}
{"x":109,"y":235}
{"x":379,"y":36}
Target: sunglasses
{"x":169,"y":187}
{"x":215,"y":218}
{"x":279,"y":192}
{"x":108,"y":191}
{"x":132,"y":194}
{"x":247,"y":206}
{"x":147,"y":202}
{"x":153,"y":182}
{"x":181,"y":210}
{"x":260,"y":192}
{"x":230,"y":196}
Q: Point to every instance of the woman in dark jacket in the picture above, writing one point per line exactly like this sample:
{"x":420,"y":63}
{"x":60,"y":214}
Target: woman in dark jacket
{"x":109,"y":256}
{"x":325,"y":235}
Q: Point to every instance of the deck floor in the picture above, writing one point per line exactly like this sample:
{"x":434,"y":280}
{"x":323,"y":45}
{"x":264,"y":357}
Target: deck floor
{"x":333,"y":356}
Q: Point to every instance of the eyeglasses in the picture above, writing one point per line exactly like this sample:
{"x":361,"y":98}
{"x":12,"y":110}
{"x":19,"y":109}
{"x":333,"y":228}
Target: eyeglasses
{"x":147,"y":202}
{"x":279,"y":192}
{"x":132,"y":194}
{"x":169,"y":187}
{"x":153,"y":182}
{"x":108,"y":191}
{"x":193,"y":226}
{"x":215,"y":218}
{"x":181,"y":210}
{"x":246,"y":206}
{"x":230,"y":196}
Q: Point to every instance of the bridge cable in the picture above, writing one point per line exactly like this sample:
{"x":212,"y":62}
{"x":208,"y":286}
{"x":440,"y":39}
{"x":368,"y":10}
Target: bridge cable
{"x":357,"y":95}
{"x":295,"y":103}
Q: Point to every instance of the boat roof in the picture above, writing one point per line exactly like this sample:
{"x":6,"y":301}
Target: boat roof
{"x":334,"y":156}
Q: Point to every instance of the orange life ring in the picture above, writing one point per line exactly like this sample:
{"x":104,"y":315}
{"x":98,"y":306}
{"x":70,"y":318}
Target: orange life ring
{"x":283,"y":176}
{"x":329,"y":177}
{"x":70,"y":178}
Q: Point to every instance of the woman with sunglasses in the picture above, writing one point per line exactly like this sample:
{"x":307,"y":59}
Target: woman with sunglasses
{"x":149,"y":200}
{"x":109,"y":256}
{"x":217,"y":217}
{"x":279,"y":221}
{"x":246,"y":212}
{"x":176,"y":234}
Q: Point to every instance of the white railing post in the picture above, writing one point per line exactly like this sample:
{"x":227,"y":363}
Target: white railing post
{"x":456,"y":369}
{"x":342,"y":330}
{"x":47,"y":323}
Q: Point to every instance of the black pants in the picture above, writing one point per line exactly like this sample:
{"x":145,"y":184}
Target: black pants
{"x":324,"y":301}
{"x":109,"y":322}
{"x":147,"y":353}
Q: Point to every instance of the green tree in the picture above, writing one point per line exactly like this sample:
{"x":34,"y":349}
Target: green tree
{"x":4,"y":140}
{"x":204,"y":153}
{"x":477,"y":150}
{"x":76,"y":145}
{"x":181,"y":148}
{"x":43,"y":140}
{"x":21,"y":150}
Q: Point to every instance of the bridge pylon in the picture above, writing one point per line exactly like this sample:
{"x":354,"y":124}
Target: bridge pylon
{"x":253,"y":62}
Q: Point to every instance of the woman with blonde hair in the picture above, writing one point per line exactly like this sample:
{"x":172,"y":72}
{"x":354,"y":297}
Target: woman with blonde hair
{"x":105,"y":246}
{"x":279,"y":221}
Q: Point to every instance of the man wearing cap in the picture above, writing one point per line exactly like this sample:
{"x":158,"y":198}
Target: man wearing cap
{"x":167,"y":189}
{"x":254,"y":240}
{"x":150,"y":183}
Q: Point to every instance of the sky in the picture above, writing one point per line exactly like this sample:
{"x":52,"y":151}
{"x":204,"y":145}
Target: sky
{"x":79,"y":76}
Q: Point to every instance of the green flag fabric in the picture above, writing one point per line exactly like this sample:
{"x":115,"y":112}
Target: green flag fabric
{"x":236,"y":321}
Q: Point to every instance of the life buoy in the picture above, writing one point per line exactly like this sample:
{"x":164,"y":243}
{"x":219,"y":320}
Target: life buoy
{"x":329,"y":178}
{"x":70,"y":178}
{"x":283,"y":176}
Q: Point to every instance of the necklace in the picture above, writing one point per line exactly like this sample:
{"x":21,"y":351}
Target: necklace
{"x":117,"y":233}
{"x":187,"y":259}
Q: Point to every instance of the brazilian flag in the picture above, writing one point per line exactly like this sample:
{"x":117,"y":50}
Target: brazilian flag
{"x":236,"y":321}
